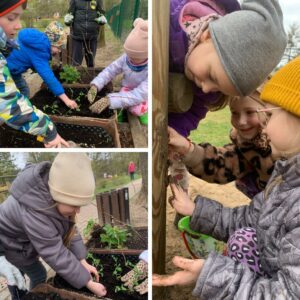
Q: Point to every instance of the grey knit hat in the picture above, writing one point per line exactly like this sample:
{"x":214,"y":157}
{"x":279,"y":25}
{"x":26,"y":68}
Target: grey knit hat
{"x":71,"y":179}
{"x":250,"y":42}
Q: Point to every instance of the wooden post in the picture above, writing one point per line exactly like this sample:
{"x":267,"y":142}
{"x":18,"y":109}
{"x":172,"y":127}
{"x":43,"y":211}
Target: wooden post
{"x":160,"y":71}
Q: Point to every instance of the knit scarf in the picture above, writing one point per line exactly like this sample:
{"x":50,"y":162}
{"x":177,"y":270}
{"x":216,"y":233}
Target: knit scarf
{"x":136,"y":68}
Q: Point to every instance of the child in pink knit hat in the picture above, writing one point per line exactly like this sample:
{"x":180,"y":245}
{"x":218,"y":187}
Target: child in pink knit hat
{"x":134,"y":65}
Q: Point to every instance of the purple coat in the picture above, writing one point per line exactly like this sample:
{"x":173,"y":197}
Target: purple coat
{"x":178,"y":45}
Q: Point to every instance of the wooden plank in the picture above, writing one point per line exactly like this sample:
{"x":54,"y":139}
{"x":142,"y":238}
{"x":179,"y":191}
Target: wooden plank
{"x":105,"y":206}
{"x":121,"y":200}
{"x":99,"y":210}
{"x":115,"y":211}
{"x":126,"y":202}
{"x":138,"y":136}
{"x":160,"y":70}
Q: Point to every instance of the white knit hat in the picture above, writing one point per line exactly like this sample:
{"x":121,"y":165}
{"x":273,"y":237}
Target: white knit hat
{"x":71,"y":179}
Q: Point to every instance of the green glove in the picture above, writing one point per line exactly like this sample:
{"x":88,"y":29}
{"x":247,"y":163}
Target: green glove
{"x":92,"y":93}
{"x":100,"y":105}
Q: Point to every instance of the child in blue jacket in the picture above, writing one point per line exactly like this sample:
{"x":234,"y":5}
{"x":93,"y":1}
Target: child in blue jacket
{"x":35,"y":52}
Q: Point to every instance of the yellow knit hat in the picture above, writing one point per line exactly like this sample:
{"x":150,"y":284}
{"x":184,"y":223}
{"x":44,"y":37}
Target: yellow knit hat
{"x":283,"y":89}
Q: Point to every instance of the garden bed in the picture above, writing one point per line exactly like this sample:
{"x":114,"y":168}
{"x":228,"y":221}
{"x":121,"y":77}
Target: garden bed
{"x":52,"y":105}
{"x":138,"y":241}
{"x":83,"y":136}
{"x":109,"y":264}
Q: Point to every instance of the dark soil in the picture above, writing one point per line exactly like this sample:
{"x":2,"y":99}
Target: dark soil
{"x":138,"y":239}
{"x":42,"y":296}
{"x":45,"y":101}
{"x":108,"y":280}
{"x":84,"y":136}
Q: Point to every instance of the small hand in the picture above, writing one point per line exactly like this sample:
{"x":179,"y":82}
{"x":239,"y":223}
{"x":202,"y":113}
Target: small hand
{"x":191,"y":269}
{"x":177,"y":143}
{"x":181,"y":201}
{"x":56,"y":143}
{"x":71,"y":104}
{"x":97,"y":288}
{"x":92,"y":93}
{"x":91,"y":269}
{"x":100,"y":105}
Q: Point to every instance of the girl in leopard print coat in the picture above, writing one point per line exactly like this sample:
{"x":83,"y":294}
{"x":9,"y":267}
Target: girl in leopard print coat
{"x":247,"y":159}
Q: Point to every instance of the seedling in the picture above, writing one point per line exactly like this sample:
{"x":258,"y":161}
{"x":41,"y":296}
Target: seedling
{"x":89,"y":227}
{"x":120,"y":288}
{"x":69,"y":74}
{"x":96,"y":262}
{"x":118,"y":269}
{"x":52,"y":108}
{"x":115,"y":237}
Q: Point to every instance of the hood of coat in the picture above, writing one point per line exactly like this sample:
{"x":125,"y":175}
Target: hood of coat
{"x":289,"y":170}
{"x":31,"y":189}
{"x":34,"y":39}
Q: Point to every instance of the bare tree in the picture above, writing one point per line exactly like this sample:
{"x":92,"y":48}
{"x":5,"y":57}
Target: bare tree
{"x":293,"y":44}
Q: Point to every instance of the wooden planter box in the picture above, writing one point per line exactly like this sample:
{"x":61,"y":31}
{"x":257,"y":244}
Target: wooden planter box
{"x":68,"y":295}
{"x":110,"y":125}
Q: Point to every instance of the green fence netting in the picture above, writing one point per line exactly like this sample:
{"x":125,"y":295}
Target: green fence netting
{"x":122,"y":14}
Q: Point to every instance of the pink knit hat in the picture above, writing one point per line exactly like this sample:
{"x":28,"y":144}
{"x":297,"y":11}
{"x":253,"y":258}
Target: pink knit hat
{"x":136,"y":44}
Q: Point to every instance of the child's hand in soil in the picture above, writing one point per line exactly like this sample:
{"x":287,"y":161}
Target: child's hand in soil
{"x":91,"y":269}
{"x":181,"y":201}
{"x":71,"y":104}
{"x":68,"y":102}
{"x":178,"y":144}
{"x":100,"y":105}
{"x":139,"y":272}
{"x":56,"y":143}
{"x":96,"y":288}
{"x":191,"y":269}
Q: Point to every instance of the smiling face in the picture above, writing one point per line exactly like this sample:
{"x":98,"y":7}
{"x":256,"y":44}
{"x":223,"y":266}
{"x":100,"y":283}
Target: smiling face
{"x":244,"y":116}
{"x":67,"y":210}
{"x":11,"y":22}
{"x":204,"y":67}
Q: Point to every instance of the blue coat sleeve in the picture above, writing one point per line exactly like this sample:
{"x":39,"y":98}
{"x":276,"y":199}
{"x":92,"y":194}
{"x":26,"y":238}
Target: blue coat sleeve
{"x":42,"y":66}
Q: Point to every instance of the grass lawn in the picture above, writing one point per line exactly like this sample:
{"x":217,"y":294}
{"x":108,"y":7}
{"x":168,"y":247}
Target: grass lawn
{"x":214,"y":129}
{"x":107,"y":184}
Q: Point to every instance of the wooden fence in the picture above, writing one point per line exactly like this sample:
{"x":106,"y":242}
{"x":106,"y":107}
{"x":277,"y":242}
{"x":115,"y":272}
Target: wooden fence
{"x":113,"y":207}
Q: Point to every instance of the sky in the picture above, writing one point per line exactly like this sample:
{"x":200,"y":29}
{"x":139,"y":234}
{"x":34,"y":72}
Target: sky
{"x":291,"y":12}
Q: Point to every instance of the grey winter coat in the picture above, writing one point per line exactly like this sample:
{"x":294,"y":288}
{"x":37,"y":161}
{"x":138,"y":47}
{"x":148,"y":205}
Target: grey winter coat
{"x":29,"y":228}
{"x":275,"y":214}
